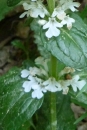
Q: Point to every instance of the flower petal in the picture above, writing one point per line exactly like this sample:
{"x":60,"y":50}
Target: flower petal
{"x":46,"y":25}
{"x":74,"y":87}
{"x":26,"y":86}
{"x":76,"y":77}
{"x":65,"y":90}
{"x":37,"y":94}
{"x":81,"y":84}
{"x":77,"y":84}
{"x":52,"y":32}
{"x":34,"y":71}
{"x":24,"y":73}
{"x":42,"y":22}
{"x":52,"y":85}
{"x":26,"y":6}
{"x":23,"y":15}
{"x":36,"y":86}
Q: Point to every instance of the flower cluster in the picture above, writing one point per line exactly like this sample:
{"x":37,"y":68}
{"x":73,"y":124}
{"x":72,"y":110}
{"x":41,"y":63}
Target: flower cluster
{"x":38,"y":80}
{"x":34,"y":9}
{"x":56,"y":20}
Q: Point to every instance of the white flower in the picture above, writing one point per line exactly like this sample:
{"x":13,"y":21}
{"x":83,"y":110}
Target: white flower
{"x":27,"y":85}
{"x":40,"y":60}
{"x":69,"y":4}
{"x":35,"y":84}
{"x":52,"y":85}
{"x":37,"y":94}
{"x":43,"y":62}
{"x":32,"y":71}
{"x":43,"y":72}
{"x":59,"y":12}
{"x":34,"y":9}
{"x":52,"y":26}
{"x":67,"y":70}
{"x":38,"y":89}
{"x":77,"y":84}
{"x":26,"y":7}
{"x":43,"y":66}
{"x":64,"y":85}
{"x":67,"y":20}
{"x":40,"y":71}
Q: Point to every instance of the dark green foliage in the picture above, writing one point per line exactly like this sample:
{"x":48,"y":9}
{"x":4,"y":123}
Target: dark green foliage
{"x":65,"y":116}
{"x":16,"y":106}
{"x":12,"y":2}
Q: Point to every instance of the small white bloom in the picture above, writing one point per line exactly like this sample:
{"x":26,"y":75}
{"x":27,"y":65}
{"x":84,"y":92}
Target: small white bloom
{"x":43,"y":62}
{"x":52,"y":85}
{"x":38,"y":89}
{"x":27,"y":85}
{"x":24,"y":14}
{"x":69,"y":4}
{"x":26,"y":6}
{"x":38,"y":93}
{"x":77,"y":84}
{"x":39,"y":80}
{"x":39,"y":60}
{"x":35,"y":84}
{"x":34,"y":71}
{"x":43,"y":72}
{"x":52,"y":26}
{"x":59,"y":12}
{"x":34,"y":9}
{"x":24,"y":73}
{"x":64,"y":85}
{"x":67,"y":20}
{"x":61,"y":15}
{"x":67,"y":70}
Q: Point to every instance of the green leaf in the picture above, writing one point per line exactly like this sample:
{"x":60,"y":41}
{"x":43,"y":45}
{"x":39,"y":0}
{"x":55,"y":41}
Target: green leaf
{"x":28,"y":124}
{"x":19,"y":44}
{"x":4,"y":9}
{"x":83,"y":13}
{"x":83,"y":116}
{"x":16,"y":106}
{"x":70,"y":46}
{"x":80,"y":98}
{"x":12,"y":2}
{"x":65,"y":116}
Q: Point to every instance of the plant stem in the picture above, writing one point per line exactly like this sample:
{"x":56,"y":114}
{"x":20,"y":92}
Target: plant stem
{"x":53,"y":69}
{"x":51,"y":5}
{"x":53,"y":111}
{"x":53,"y":95}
